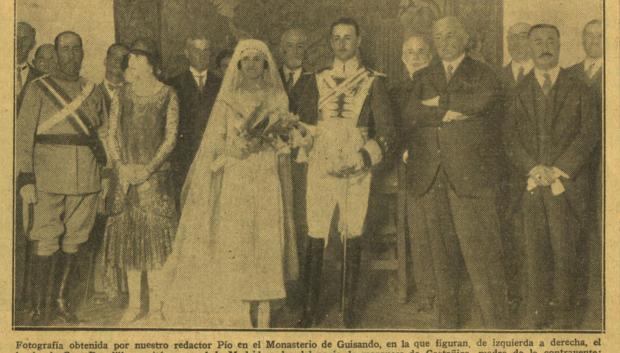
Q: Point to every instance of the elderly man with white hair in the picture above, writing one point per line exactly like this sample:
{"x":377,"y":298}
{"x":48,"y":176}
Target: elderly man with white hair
{"x":452,"y":177}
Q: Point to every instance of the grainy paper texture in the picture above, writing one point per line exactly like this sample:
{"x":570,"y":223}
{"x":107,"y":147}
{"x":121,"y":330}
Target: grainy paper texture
{"x":429,"y":176}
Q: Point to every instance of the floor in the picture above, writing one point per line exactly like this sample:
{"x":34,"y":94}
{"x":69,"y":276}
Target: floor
{"x":378,"y":309}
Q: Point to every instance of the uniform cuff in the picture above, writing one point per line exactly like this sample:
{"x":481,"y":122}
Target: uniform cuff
{"x":372,"y":153}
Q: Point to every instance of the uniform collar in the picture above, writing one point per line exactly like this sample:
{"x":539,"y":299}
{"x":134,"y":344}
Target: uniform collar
{"x":553,"y":74}
{"x":345,"y":69}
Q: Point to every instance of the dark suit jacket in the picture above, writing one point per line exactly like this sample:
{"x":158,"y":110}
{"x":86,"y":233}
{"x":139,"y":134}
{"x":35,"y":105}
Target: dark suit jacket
{"x":571,"y":131}
{"x":295,"y":93}
{"x":32,"y":74}
{"x":596,"y":83}
{"x":467,"y":149}
{"x":508,"y":81}
{"x":194,"y":111}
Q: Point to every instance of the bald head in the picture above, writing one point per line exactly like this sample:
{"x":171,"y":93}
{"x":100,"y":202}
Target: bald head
{"x":25,"y":38}
{"x":450,"y":38}
{"x":593,"y":39}
{"x":70,"y":54}
{"x":293,"y":46}
{"x":416,"y":54}
{"x":45,"y":59}
{"x":518,"y":42}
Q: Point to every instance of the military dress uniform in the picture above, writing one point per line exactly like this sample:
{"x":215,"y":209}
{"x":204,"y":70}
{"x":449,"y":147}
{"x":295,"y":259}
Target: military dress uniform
{"x":57,"y":150}
{"x":347,"y":110}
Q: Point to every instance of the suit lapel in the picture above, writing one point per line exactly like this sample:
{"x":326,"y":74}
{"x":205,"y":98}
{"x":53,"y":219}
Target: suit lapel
{"x":562,"y":88}
{"x":509,"y":75}
{"x":281,"y":71}
{"x":526,"y":96}
{"x":107,"y":100}
{"x":190,"y":82}
{"x":439,"y":77}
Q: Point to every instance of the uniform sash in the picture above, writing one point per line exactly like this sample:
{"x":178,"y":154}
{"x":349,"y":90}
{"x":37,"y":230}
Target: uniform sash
{"x":71,"y":110}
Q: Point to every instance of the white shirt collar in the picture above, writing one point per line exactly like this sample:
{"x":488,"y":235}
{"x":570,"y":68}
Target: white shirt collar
{"x":598,"y":63}
{"x":454,"y":63}
{"x":296,"y":73}
{"x":344,"y":69}
{"x":197,"y":73}
{"x":516,"y":66}
{"x":540,"y":75}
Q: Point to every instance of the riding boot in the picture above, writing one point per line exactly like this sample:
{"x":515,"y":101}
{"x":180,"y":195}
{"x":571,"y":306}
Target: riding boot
{"x":49,"y":274}
{"x":351,"y":270}
{"x":41,"y":267}
{"x":64,"y":310}
{"x":313,"y":265}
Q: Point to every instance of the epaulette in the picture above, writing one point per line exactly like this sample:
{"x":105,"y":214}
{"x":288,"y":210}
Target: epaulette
{"x":323,"y":69}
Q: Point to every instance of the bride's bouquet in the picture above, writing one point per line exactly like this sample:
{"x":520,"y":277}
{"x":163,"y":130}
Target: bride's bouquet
{"x":265,"y":127}
{"x":268,"y":128}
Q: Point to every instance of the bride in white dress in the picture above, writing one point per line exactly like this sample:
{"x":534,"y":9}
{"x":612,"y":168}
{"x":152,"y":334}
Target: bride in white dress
{"x":232,"y":244}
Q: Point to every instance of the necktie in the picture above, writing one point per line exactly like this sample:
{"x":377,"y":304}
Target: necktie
{"x":449,"y":73}
{"x":591,"y":70}
{"x":521,"y":74}
{"x":18,"y":80}
{"x":546,"y":87}
{"x":290,"y":81}
{"x":201,"y":82}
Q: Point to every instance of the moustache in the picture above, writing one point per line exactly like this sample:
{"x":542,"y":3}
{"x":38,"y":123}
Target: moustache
{"x":545,"y":54}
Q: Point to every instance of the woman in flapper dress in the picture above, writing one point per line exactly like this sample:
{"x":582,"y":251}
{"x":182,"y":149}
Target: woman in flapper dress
{"x":141,"y":228}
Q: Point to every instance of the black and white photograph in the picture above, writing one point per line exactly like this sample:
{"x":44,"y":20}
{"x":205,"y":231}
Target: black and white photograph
{"x":309,"y":165}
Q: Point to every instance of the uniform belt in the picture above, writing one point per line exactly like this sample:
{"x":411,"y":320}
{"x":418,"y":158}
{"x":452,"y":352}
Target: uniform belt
{"x":68,"y":139}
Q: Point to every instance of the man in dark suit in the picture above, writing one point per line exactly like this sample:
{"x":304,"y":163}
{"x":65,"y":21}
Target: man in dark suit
{"x":452,"y":177}
{"x":197,"y":89}
{"x":590,"y":71}
{"x":293,"y":46}
{"x":512,"y":74}
{"x":416,"y":55}
{"x":550,"y":133}
{"x":521,"y":63}
{"x":24,"y":72}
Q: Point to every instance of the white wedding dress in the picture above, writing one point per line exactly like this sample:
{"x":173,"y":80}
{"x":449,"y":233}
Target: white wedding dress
{"x":229,"y":247}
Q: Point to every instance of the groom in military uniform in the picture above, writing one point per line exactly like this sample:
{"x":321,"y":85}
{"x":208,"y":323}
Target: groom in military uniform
{"x":59,"y":154}
{"x":347,"y":112}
